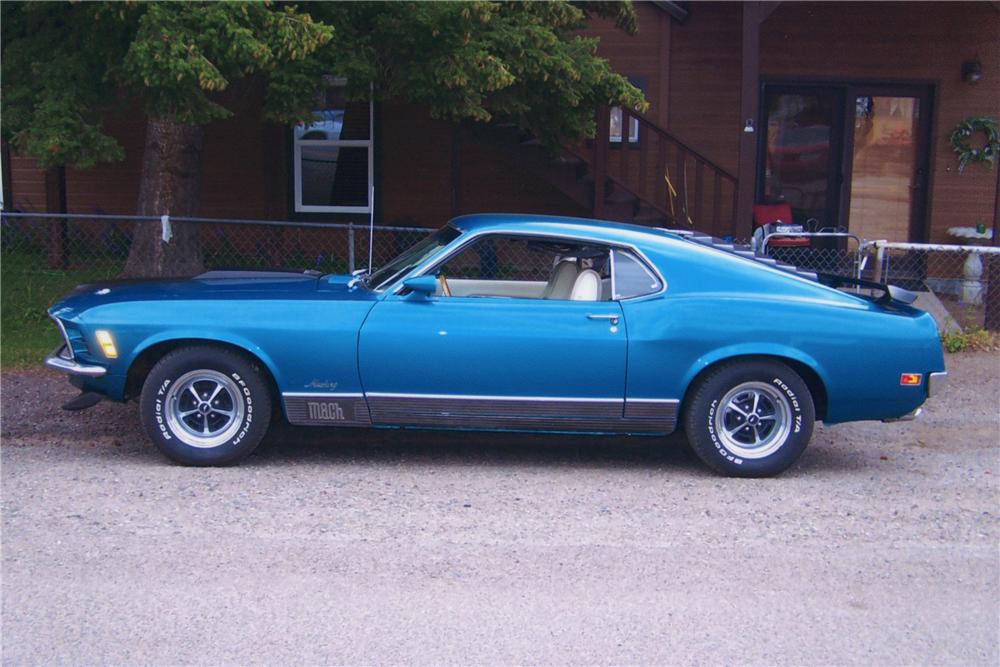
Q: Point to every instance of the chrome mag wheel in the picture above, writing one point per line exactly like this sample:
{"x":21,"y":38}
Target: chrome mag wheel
{"x":753,"y":420}
{"x":204,"y":408}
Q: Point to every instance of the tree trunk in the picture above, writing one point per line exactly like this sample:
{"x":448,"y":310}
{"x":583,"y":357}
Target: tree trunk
{"x":170,"y":185}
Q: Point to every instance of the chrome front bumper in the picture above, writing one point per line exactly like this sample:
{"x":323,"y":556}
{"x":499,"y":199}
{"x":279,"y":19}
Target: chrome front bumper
{"x":936,"y":382}
{"x":60,"y":360}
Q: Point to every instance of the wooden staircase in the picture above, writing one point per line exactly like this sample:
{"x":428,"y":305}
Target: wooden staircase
{"x":652,"y":178}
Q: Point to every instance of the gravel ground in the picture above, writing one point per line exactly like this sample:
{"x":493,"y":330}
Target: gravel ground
{"x":879,"y":547}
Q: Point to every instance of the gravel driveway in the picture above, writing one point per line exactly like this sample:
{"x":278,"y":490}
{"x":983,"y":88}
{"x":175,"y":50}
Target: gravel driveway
{"x":880,"y":546}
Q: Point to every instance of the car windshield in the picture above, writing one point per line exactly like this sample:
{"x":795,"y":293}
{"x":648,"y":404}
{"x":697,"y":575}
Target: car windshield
{"x":409,"y":259}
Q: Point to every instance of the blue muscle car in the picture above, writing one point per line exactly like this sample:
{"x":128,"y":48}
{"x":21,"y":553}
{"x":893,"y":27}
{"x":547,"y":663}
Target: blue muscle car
{"x":509,"y":322}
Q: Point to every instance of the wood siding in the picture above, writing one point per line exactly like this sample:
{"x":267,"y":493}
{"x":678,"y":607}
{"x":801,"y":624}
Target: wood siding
{"x":427,"y":170}
{"x":705,"y":82}
{"x":244,"y":168}
{"x":640,"y":55}
{"x":928,"y":43}
{"x":111,"y":188}
{"x":27,"y":185}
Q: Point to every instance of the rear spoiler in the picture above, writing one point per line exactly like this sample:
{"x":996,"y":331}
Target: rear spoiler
{"x":889,"y":292}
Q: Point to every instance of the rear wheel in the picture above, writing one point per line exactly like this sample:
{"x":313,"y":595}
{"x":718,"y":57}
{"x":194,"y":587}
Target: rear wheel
{"x":750,"y":418}
{"x":205,"y":406}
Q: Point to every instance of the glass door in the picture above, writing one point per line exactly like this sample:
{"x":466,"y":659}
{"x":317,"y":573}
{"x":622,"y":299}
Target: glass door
{"x":888,"y":163}
{"x":802,"y":152}
{"x":848,"y":156}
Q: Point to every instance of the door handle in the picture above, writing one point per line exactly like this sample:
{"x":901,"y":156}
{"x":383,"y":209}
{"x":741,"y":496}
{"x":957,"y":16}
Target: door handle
{"x":595,"y":316}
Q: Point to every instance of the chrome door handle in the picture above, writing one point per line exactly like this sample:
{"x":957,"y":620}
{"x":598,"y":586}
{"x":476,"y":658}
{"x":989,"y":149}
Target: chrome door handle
{"x":595,"y":316}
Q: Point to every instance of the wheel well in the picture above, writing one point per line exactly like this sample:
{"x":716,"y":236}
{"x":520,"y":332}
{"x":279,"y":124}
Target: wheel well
{"x":144,"y":363}
{"x":816,"y":388}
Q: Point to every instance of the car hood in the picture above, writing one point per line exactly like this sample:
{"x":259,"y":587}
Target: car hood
{"x":239,"y":285}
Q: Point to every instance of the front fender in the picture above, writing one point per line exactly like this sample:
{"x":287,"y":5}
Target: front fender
{"x":208,"y":337}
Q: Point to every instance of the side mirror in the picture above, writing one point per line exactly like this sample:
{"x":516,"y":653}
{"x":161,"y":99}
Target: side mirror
{"x":423,"y":285}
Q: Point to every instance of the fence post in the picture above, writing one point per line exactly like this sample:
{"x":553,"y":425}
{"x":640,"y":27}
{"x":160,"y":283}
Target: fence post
{"x":350,"y":247}
{"x":879,"y":258}
{"x":992,"y":316}
{"x":55,"y":202}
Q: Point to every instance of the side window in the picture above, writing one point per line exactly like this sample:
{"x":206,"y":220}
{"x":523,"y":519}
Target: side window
{"x":529,"y":268}
{"x":632,"y":277}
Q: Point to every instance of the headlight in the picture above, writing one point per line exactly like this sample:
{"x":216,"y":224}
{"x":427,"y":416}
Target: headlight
{"x":107,"y":344}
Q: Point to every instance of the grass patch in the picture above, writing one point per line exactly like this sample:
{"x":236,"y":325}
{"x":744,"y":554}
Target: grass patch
{"x":27,"y":289}
{"x":972,"y":338}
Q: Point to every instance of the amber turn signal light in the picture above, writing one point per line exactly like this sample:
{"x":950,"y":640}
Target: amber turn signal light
{"x":107,"y":344}
{"x":910,"y":379}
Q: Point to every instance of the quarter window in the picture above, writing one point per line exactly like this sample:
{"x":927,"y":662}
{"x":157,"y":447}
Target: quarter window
{"x":333,"y":156}
{"x":632,"y":277}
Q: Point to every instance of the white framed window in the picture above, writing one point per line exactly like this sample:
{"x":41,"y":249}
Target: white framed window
{"x":333,"y":156}
{"x":615,"y":135}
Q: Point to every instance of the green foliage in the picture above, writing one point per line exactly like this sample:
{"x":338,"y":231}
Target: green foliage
{"x":971,"y":338}
{"x":181,"y":52}
{"x":54,"y":80}
{"x":523,"y":62}
{"x":961,"y":142}
{"x":65,"y":64}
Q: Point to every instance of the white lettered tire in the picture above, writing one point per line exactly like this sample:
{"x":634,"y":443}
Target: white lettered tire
{"x":749,"y":418}
{"x":205,"y":406}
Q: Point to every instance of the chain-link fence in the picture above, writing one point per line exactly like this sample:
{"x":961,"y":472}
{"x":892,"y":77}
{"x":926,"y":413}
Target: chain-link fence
{"x":99,"y":246}
{"x":837,"y":253}
{"x":959,"y":283}
{"x":43,"y":253}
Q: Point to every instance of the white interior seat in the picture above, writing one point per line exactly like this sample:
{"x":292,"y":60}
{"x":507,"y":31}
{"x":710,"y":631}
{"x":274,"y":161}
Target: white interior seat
{"x":587,"y":286}
{"x":562,"y":281}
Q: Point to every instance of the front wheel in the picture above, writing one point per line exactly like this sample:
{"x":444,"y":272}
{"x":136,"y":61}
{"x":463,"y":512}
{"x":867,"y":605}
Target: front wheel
{"x":205,"y":406}
{"x":750,"y":418}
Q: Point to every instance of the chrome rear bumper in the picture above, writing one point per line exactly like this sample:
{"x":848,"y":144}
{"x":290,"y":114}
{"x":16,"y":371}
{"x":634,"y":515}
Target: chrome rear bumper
{"x":908,"y":417}
{"x":61,"y":361}
{"x":936,"y":382}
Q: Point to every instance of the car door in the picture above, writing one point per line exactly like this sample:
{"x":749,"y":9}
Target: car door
{"x":499,"y":353}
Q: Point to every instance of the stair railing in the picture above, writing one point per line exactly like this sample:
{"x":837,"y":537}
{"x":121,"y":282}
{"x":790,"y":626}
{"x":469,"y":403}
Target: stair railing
{"x":660,"y":171}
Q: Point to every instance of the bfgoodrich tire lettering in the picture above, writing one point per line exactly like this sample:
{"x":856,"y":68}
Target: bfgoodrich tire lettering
{"x":205,"y":406}
{"x":749,"y":418}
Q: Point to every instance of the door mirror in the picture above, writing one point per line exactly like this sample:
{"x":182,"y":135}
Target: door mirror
{"x":424,"y":285}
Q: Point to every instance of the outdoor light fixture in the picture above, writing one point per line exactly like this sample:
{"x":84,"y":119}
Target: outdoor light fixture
{"x":972,"y":71}
{"x":107,"y":344}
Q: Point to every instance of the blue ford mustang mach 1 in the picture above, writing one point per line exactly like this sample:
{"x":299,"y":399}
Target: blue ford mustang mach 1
{"x":510,"y":322}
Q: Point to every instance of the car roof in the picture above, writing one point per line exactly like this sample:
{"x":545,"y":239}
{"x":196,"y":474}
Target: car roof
{"x":555,"y":224}
{"x":644,"y":238}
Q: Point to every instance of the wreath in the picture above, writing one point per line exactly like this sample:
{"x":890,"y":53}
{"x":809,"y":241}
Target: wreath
{"x":960,"y":141}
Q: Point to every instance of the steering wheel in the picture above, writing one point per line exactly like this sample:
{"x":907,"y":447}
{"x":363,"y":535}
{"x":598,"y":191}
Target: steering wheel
{"x":443,"y":284}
